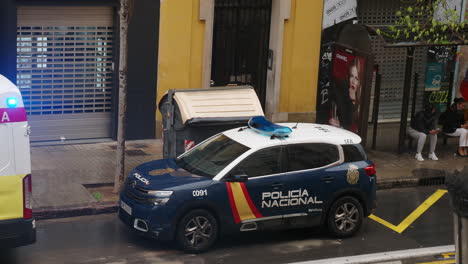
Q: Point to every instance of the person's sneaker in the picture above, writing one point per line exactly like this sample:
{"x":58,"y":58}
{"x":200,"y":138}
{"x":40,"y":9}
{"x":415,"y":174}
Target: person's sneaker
{"x":419,"y":157}
{"x":433,"y":156}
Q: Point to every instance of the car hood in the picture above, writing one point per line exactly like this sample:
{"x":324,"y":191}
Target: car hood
{"x":163,"y":174}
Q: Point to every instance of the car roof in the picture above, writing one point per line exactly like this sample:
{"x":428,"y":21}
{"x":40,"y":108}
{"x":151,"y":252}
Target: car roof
{"x":303,"y":133}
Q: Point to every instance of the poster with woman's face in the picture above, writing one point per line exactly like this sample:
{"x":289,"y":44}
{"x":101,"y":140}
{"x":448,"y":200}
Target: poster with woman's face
{"x":346,"y":90}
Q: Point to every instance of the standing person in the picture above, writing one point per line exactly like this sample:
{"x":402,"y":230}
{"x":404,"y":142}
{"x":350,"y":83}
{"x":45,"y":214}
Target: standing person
{"x":454,"y":126}
{"x":423,"y":124}
{"x":345,"y":99}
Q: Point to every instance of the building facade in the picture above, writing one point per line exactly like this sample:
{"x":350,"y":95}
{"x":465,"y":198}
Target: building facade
{"x":63,"y":55}
{"x":272,"y":45}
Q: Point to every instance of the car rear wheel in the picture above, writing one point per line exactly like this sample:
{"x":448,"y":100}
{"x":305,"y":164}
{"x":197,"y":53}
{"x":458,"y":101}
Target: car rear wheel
{"x":345,"y":217}
{"x":197,"y":231}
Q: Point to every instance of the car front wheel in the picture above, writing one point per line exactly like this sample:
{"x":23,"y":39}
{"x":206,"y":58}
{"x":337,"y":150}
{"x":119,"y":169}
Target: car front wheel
{"x":345,"y":217}
{"x":197,"y":231}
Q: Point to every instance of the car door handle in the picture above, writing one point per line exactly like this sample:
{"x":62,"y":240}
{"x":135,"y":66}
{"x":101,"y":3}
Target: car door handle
{"x":277,"y":186}
{"x":328,"y":179}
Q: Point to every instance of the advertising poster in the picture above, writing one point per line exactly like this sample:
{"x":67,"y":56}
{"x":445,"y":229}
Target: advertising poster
{"x":439,"y":76}
{"x":433,"y":76}
{"x":348,"y":79}
{"x":461,"y":86}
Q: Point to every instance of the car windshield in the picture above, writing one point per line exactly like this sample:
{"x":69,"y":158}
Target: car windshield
{"x":213,"y":155}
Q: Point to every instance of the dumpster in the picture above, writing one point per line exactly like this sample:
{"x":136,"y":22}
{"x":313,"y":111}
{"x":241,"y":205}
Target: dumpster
{"x":457,"y":185}
{"x":191,"y":116}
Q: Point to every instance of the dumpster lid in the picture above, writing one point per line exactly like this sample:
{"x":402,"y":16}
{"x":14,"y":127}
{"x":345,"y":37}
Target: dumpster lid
{"x":212,"y":103}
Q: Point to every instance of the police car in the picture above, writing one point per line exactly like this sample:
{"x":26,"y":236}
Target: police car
{"x":261,"y":177}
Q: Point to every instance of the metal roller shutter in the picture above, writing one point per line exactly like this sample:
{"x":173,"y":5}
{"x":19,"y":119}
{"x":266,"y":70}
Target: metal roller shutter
{"x":65,"y":70}
{"x":391,"y":60}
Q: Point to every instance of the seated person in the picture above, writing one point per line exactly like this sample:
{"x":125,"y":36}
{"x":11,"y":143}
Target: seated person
{"x":454,"y":126}
{"x":422,"y":125}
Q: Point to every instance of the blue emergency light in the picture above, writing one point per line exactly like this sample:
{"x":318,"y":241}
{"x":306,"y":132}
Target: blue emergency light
{"x":12,"y":102}
{"x":260,"y":125}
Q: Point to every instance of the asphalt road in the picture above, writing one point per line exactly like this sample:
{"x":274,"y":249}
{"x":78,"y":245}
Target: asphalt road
{"x":103,"y":239}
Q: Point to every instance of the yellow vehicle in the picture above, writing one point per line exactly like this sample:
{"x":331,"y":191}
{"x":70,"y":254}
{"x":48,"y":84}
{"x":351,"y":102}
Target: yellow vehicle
{"x":17,"y":226}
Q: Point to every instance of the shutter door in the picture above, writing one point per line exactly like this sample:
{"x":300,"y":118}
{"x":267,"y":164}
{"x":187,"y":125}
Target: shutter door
{"x":64,"y":65}
{"x":391,"y":61}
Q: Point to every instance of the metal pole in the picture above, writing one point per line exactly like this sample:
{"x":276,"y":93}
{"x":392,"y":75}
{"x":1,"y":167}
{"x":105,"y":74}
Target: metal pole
{"x":449,"y":97}
{"x":406,"y":93}
{"x":461,"y":238}
{"x":375,"y":114}
{"x":415,"y":91}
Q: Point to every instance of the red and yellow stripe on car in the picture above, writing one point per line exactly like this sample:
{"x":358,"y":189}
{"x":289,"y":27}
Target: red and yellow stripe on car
{"x":241,"y":204}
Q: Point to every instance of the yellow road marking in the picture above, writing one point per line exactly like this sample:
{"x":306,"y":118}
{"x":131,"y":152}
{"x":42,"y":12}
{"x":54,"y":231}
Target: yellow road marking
{"x":440,"y":262}
{"x":448,"y":255}
{"x":414,"y":215}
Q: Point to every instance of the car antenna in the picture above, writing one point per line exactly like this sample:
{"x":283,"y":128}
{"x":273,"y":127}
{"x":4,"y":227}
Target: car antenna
{"x":294,"y":127}
{"x":242,"y":129}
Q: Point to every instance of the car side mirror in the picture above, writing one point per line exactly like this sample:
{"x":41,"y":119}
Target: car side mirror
{"x":239,"y":176}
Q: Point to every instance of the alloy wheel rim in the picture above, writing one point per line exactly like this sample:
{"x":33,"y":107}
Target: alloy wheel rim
{"x":346,"y":217}
{"x":198,"y":231}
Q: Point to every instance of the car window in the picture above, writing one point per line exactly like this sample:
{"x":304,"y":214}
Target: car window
{"x":261,"y":163}
{"x":311,"y":156}
{"x":211,"y":156}
{"x":353,"y":153}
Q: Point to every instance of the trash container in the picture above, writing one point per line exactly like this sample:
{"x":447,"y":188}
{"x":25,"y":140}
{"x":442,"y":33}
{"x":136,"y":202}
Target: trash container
{"x":191,"y":116}
{"x":457,"y":185}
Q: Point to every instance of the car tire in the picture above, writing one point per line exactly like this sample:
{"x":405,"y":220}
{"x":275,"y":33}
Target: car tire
{"x":197,"y":231}
{"x":345,"y":217}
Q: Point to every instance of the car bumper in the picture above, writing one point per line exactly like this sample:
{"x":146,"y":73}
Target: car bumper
{"x":17,"y":232}
{"x":142,"y":220}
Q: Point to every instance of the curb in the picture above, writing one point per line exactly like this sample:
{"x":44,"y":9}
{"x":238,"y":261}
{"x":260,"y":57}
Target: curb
{"x":44,"y":213}
{"x":384,"y":256}
{"x":411,"y":182}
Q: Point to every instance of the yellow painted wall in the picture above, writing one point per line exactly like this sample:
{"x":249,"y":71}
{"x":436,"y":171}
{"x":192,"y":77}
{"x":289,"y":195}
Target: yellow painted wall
{"x":181,"y":41}
{"x":301,"y":51}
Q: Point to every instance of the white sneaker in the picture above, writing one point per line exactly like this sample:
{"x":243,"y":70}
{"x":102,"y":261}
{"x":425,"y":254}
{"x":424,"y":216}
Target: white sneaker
{"x":433,"y":156}
{"x":419,"y":157}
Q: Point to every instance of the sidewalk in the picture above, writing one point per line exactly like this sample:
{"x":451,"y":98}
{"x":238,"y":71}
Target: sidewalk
{"x":71,"y":180}
{"x":61,"y":172}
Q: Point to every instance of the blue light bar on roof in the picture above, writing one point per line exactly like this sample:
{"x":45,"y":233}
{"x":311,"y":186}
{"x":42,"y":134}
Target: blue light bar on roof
{"x":260,"y":125}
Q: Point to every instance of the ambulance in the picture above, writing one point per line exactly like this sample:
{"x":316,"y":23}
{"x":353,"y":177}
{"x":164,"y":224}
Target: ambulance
{"x":17,"y":226}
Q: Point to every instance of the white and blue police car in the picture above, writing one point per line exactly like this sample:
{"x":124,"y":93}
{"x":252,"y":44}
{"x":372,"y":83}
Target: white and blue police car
{"x":261,"y":177}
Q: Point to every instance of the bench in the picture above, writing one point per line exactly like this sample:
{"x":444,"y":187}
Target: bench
{"x":445,"y":137}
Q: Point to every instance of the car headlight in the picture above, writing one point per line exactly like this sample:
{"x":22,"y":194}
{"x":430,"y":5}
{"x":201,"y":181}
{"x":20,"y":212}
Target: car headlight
{"x":160,"y":193}
{"x":160,"y":197}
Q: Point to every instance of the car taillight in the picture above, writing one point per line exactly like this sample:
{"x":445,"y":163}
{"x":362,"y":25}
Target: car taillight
{"x":27,"y":197}
{"x":370,"y":170}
